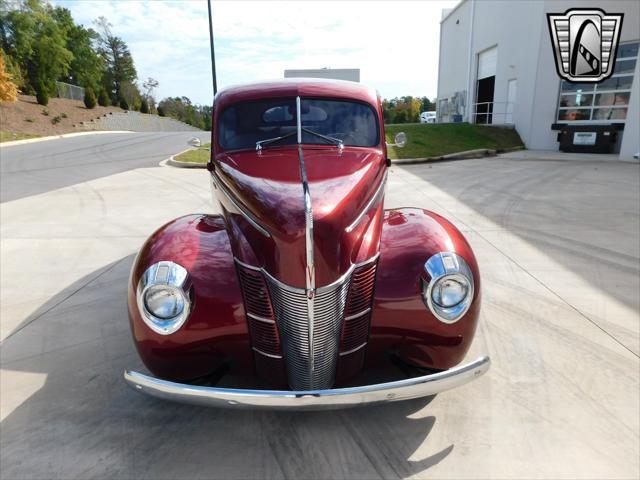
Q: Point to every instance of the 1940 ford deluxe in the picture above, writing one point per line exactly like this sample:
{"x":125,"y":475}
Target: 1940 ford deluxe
{"x":304,"y":281}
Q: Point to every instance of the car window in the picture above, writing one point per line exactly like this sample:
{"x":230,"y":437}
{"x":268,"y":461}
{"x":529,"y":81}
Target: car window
{"x":243,"y":124}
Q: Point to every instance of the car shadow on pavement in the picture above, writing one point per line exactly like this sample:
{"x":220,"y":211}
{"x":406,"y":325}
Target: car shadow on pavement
{"x":68,"y":413}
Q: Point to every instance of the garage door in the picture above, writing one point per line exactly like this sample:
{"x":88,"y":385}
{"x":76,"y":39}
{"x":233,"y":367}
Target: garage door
{"x":487,"y":62}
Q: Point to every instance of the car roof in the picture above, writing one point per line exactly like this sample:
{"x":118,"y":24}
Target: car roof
{"x":293,"y":87}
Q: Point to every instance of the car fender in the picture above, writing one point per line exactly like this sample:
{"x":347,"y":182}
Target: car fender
{"x":216,"y":331}
{"x":401,"y":321}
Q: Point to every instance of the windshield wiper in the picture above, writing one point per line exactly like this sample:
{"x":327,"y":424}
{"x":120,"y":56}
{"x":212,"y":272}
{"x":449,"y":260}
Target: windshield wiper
{"x":269,"y":141}
{"x":332,"y":140}
{"x":335,"y":141}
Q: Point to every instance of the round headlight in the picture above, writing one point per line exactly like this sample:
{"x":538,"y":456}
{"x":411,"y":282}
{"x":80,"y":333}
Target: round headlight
{"x":164,"y":297}
{"x":449,"y":291}
{"x":164,"y":301}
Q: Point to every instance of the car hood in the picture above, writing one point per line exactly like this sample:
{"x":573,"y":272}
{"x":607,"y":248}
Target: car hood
{"x":342,"y":183}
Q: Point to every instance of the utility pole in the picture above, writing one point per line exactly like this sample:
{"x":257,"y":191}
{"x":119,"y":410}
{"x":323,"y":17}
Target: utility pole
{"x":213,"y":56}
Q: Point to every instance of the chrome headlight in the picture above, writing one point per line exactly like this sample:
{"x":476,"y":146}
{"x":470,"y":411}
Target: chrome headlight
{"x":164,"y":297}
{"x":449,"y":291}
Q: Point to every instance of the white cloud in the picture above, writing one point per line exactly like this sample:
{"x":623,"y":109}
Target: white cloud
{"x":395,"y":44}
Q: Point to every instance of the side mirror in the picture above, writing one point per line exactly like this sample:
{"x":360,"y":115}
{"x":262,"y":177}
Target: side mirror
{"x":400,"y":140}
{"x":194,"y":142}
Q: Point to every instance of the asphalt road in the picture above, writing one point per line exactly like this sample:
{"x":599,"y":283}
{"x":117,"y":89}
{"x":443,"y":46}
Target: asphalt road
{"x":558,"y":247}
{"x":41,"y":167}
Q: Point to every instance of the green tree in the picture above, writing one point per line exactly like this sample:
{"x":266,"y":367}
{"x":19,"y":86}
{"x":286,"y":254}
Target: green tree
{"x":130,"y":93}
{"x":103,"y":98}
{"x":42,"y":93}
{"x":183,"y":110}
{"x":87,"y":66}
{"x":89,"y":98}
{"x":427,"y":105}
{"x":119,"y":62}
{"x":34,"y":39}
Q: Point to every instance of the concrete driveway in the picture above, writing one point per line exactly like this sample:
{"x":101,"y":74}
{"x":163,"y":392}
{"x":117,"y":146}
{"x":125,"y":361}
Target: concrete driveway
{"x":558,"y":246}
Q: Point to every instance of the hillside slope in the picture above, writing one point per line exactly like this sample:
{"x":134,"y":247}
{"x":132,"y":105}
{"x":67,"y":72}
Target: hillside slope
{"x":25,"y":116}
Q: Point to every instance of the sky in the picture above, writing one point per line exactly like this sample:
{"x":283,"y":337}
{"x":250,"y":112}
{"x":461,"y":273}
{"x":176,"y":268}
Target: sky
{"x":394,"y":43}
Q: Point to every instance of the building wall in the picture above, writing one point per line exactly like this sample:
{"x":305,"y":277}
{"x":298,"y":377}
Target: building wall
{"x":509,"y":26}
{"x":631,"y":139}
{"x":350,"y":74}
{"x":453,"y":69}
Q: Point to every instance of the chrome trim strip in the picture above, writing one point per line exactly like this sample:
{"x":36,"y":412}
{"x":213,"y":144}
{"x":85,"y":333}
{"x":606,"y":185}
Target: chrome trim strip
{"x":302,"y":290}
{"x":220,"y":184}
{"x":352,"y":350}
{"x":299,"y":119}
{"x":359,"y":314}
{"x":260,"y":319}
{"x":369,"y":204}
{"x":270,"y":355}
{"x":246,"y":265}
{"x":313,"y":399}
{"x":310,"y":273}
{"x":367,"y":262}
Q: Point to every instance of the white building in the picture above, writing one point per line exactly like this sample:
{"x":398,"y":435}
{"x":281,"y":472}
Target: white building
{"x":351,"y":74}
{"x":497,"y":66}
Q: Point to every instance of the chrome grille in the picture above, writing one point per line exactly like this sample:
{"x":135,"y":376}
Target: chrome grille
{"x":357,"y":314}
{"x":262,"y":326}
{"x":305,"y":371}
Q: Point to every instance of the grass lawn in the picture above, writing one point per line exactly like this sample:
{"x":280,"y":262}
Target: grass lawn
{"x":196,"y":155}
{"x":434,"y":140}
{"x":10,"y":136}
{"x":423,"y":140}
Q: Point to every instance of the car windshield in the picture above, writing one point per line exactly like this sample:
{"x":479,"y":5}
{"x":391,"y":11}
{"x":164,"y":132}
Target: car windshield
{"x":244,"y":124}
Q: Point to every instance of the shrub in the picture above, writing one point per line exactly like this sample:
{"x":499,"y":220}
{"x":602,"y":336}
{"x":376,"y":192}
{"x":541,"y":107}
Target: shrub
{"x":103,"y":99}
{"x":144,"y":106}
{"x":161,"y":111}
{"x":42,"y":94}
{"x":123,"y":104}
{"x":89,"y":98}
{"x":45,"y":112}
{"x":29,"y":119}
{"x":63,"y":115}
{"x":56,"y":119}
{"x":16,"y":75}
{"x":8,"y":89}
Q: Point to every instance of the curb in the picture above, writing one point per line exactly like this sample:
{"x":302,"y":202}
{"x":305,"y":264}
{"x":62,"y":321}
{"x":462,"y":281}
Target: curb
{"x":55,"y":137}
{"x":178,"y":164}
{"x":478,"y":153}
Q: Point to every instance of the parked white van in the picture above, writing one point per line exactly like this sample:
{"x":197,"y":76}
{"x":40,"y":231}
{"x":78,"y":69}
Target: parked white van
{"x":428,"y":117}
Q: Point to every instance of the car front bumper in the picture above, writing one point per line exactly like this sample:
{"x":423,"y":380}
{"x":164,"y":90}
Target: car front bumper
{"x":416,"y":387}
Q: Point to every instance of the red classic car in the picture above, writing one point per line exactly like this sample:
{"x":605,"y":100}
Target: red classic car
{"x":304,"y":281}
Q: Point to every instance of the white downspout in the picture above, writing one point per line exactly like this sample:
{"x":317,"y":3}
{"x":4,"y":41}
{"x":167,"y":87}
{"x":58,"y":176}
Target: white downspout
{"x":470,"y":89}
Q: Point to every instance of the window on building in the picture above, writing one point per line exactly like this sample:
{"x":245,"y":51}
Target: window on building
{"x":604,"y":102}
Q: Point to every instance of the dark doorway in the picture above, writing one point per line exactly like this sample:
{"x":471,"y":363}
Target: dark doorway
{"x":484,"y":99}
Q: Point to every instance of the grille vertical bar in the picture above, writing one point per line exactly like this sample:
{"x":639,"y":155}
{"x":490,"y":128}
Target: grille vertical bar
{"x":357,"y":315}
{"x":262,"y":325}
{"x":290,"y":310}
